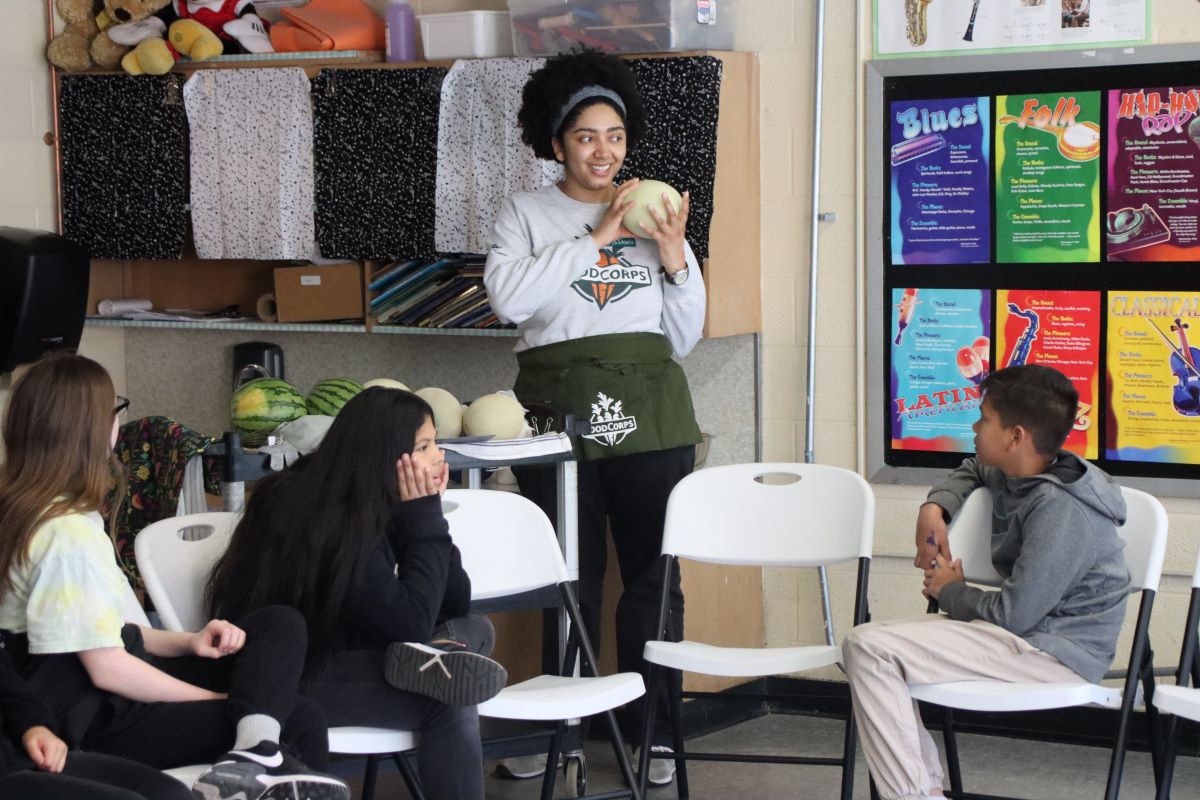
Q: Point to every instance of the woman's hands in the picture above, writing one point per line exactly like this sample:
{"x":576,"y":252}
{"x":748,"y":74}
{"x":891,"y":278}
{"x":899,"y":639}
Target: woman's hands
{"x":218,"y":638}
{"x":669,"y":233}
{"x":46,"y":751}
{"x":610,"y":226}
{"x":416,"y":481}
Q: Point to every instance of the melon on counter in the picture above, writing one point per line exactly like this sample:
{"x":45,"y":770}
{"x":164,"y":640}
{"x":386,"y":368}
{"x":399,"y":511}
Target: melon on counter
{"x":263,"y":404}
{"x":386,"y":383}
{"x":447,"y":411}
{"x":328,"y":396}
{"x":496,"y":415}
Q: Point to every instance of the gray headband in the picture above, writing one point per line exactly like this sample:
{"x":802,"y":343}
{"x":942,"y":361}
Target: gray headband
{"x":584,"y":94}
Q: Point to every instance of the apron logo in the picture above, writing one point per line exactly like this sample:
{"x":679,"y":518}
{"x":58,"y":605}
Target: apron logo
{"x":610,"y":426}
{"x":613,"y":276}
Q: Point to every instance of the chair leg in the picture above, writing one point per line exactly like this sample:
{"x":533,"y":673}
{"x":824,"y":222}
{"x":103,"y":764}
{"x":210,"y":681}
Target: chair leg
{"x":1166,"y":772}
{"x":409,"y":776}
{"x":653,"y":681}
{"x":848,"y":748}
{"x":1153,"y":719}
{"x":956,"y":784}
{"x":369,"y":776}
{"x":632,"y":780}
{"x":551,"y":773}
{"x":681,"y":776}
{"x":873,"y":787}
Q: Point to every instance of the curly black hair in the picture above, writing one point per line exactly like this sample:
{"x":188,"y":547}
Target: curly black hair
{"x":563,"y":75}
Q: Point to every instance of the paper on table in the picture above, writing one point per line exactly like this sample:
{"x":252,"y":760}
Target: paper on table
{"x":511,"y":449}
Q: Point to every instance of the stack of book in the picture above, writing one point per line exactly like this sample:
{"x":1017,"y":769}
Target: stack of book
{"x":444,"y":293}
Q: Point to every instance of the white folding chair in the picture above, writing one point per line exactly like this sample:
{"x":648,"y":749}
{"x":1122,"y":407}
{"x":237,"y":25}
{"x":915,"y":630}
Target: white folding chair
{"x":508,"y":548}
{"x":1145,"y":535}
{"x":783,"y":515}
{"x":175,"y":556}
{"x":1181,"y":700}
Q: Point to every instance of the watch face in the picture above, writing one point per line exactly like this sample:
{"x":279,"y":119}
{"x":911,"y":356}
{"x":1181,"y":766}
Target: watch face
{"x":679,"y":277}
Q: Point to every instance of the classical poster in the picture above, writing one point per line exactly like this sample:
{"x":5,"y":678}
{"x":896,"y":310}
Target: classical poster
{"x":1059,"y":329}
{"x":1153,"y":377}
{"x":959,"y":27}
{"x":1153,"y":159}
{"x":1048,"y":177}
{"x":940,"y":197}
{"x":940,"y":345}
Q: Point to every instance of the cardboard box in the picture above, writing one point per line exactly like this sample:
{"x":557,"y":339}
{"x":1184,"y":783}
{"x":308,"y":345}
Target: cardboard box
{"x":314,"y":294}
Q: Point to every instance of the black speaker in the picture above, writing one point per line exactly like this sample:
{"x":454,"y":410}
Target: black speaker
{"x":43,"y":295}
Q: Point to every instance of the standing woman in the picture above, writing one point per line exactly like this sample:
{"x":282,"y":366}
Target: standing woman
{"x":601,"y":311}
{"x":353,"y":536}
{"x":166,"y":699}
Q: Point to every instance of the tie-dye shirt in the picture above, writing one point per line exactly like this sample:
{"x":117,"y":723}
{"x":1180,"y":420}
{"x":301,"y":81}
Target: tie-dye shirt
{"x":69,"y":595}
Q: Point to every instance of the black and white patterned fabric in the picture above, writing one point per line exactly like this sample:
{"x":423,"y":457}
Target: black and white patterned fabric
{"x":375,"y":148}
{"x":251,"y":162}
{"x":679,"y":147}
{"x":481,"y":160}
{"x":124,"y":144}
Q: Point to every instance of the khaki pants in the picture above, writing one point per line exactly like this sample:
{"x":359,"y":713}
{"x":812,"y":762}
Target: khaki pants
{"x":883,"y":658}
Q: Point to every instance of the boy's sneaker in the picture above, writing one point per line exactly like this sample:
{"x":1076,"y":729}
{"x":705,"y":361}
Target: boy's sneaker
{"x":519,"y":767}
{"x":455,"y":678}
{"x":264,"y":772}
{"x":662,"y":768}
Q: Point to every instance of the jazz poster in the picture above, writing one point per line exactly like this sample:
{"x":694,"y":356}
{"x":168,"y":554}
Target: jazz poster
{"x":1153,"y":377}
{"x":940,"y":203}
{"x":1153,"y":158}
{"x":1048,"y":178}
{"x":940,"y":340}
{"x":1059,"y":329}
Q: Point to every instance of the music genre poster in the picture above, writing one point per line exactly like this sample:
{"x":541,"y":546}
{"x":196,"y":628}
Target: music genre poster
{"x":1153,"y":174}
{"x":1153,"y":377}
{"x":940,"y":342}
{"x":940,"y":196}
{"x":1048,"y":177}
{"x":1060,"y":330}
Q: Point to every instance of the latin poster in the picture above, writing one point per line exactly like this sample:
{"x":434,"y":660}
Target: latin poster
{"x":940,"y":342}
{"x":1048,"y":178}
{"x":1153,"y":377}
{"x":1059,"y":329}
{"x":1153,"y":174}
{"x":940,"y":194}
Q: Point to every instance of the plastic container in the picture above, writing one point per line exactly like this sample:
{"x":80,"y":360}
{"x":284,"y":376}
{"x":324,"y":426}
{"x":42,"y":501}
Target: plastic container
{"x":544,"y":27}
{"x":401,"y":32}
{"x":466,"y":34}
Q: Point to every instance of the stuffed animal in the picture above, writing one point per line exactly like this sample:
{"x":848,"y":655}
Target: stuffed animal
{"x":86,"y":39}
{"x":199,"y":29}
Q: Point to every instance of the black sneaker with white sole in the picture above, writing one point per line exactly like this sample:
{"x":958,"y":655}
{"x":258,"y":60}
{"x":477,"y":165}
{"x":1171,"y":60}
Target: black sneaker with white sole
{"x":456,"y":678}
{"x":264,"y":772}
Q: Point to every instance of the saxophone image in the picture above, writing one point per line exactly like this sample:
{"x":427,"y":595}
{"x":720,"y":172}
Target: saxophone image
{"x":914,"y":13}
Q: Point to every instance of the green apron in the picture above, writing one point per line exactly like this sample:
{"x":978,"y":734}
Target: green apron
{"x":635,"y":395}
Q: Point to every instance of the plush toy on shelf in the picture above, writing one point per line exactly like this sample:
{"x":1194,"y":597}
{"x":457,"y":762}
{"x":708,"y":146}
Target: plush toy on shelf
{"x":147,"y":36}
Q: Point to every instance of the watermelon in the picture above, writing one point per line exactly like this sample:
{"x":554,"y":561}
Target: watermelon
{"x":261,"y":405}
{"x":328,"y":396}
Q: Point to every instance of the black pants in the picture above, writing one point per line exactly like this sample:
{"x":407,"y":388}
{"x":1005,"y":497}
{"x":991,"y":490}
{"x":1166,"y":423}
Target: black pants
{"x":90,"y":776}
{"x":629,"y":495}
{"x":263,"y":678}
{"x":350,"y":687}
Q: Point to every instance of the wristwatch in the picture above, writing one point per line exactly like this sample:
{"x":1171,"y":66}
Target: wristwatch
{"x":679,"y":278}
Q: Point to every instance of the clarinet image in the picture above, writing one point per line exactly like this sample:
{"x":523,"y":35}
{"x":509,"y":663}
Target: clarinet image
{"x":1020,"y":353}
{"x":969,"y":35}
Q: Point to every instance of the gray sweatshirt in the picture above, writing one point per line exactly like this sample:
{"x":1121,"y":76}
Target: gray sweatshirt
{"x":546,"y":274}
{"x":1054,"y":539}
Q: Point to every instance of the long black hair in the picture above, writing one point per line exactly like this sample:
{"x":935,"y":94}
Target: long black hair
{"x":552,"y":86}
{"x":307,"y":529}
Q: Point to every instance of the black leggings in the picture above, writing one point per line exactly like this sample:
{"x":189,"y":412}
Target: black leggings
{"x":91,"y":776}
{"x":263,"y":678}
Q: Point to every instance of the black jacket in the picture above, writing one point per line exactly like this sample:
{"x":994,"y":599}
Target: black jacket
{"x":20,"y":710}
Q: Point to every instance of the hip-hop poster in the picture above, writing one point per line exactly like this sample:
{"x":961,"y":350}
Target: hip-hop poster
{"x":940,"y":194}
{"x":1048,"y":177}
{"x":1153,"y":377}
{"x":1153,"y":174}
{"x":940,"y":340}
{"x":1059,"y":330}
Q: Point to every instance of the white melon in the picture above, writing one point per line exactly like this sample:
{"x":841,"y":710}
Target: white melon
{"x":447,"y":411}
{"x":648,"y":193}
{"x":386,"y":383}
{"x":496,"y":415}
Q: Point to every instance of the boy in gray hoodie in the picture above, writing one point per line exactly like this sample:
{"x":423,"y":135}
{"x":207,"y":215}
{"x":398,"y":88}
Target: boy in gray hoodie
{"x":1058,"y":612}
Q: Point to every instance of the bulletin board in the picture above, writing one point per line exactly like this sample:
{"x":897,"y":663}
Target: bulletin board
{"x":1036,"y":209}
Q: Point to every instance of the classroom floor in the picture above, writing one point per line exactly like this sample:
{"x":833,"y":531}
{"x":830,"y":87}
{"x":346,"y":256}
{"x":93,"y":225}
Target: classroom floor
{"x":990,"y":764}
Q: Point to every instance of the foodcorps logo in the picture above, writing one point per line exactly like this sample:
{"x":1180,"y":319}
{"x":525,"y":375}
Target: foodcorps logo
{"x":610,"y":426}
